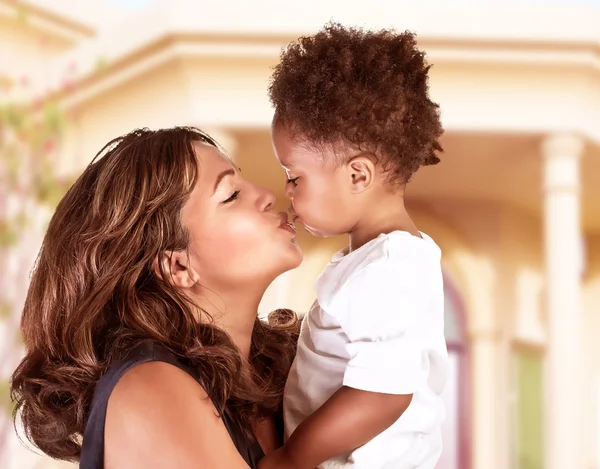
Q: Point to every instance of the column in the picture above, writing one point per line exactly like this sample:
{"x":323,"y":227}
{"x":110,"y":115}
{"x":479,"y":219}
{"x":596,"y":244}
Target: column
{"x":486,"y":397}
{"x":562,"y":236}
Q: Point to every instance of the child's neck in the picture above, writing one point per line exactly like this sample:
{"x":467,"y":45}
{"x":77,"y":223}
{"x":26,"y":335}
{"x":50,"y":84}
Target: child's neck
{"x":385,"y":216}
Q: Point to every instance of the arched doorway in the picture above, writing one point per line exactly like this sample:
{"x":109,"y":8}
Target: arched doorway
{"x":456,"y":430}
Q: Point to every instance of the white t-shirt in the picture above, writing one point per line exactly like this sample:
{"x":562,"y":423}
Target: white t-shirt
{"x":377,"y":325}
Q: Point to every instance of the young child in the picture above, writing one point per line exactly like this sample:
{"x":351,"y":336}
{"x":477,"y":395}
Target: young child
{"x":353,"y":122}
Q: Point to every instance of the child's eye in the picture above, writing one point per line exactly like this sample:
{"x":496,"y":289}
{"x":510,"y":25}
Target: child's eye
{"x":232,"y":198}
{"x":292,"y":181}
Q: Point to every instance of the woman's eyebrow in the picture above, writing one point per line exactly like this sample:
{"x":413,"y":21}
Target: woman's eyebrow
{"x":223,"y":174}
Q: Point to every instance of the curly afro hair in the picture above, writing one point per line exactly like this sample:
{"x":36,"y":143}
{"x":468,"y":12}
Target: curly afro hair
{"x":364,"y":89}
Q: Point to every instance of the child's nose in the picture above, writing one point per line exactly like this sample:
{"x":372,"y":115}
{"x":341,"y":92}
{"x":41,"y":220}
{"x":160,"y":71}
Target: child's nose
{"x":289,"y":190}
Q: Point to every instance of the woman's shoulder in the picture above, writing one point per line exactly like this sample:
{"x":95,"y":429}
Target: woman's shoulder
{"x":147,"y":353}
{"x":156,"y":415}
{"x":161,"y":373}
{"x":164,"y":413}
{"x":152,"y":388}
{"x":124,"y":380}
{"x":146,"y":375}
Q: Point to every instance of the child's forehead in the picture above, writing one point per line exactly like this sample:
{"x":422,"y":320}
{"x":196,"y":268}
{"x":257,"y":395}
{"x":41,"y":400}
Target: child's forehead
{"x":305,"y":161}
{"x":298,"y":158}
{"x":303,"y":155}
{"x":293,"y":150}
{"x":297,"y":154}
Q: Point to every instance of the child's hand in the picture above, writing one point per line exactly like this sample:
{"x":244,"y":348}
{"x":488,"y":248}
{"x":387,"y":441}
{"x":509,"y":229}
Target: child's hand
{"x":276,"y":460}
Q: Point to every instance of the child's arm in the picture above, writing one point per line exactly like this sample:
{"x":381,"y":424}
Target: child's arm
{"x":349,"y":419}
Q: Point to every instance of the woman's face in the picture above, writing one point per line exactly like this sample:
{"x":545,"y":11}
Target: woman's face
{"x":236,"y":238}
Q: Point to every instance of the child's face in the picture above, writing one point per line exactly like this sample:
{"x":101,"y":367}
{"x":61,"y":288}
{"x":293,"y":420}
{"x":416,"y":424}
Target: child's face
{"x":320,"y":192}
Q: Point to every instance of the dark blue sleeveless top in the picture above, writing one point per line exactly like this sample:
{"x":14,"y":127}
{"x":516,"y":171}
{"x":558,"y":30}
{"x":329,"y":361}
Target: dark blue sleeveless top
{"x":92,"y":451}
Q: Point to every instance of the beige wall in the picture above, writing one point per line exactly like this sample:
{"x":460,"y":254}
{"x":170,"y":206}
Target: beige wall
{"x":25,"y":49}
{"x":154,"y":101}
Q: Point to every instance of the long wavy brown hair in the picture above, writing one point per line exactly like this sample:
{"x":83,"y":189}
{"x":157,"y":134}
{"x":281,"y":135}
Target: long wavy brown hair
{"x":94,"y":296}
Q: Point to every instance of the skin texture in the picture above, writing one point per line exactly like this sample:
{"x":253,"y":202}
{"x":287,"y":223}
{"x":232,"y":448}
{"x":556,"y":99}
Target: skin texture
{"x":158,"y":416}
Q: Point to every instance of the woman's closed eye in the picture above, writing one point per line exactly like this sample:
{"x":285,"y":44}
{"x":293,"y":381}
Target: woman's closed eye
{"x":292,"y":181}
{"x":232,"y":198}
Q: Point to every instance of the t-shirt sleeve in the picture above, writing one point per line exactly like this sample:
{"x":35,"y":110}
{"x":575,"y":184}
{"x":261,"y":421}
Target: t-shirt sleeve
{"x":381,"y":309}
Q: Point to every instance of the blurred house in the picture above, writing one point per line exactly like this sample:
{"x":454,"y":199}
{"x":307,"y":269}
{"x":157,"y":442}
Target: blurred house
{"x":514,"y":204}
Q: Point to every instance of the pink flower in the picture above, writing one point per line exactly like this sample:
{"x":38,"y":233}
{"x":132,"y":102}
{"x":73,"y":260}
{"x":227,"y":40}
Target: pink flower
{"x":49,"y":146}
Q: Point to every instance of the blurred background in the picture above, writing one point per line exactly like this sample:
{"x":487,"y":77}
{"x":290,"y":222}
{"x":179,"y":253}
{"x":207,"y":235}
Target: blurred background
{"x":514,"y":205}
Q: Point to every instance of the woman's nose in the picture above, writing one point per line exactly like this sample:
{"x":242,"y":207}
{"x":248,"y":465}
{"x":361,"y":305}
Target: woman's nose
{"x":267,"y":199}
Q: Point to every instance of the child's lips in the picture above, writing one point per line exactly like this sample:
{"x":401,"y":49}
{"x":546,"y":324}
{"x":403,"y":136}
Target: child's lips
{"x":288,"y":227}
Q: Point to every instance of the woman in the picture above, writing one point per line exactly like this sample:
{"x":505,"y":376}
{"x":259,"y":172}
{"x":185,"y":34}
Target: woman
{"x":143,"y":345}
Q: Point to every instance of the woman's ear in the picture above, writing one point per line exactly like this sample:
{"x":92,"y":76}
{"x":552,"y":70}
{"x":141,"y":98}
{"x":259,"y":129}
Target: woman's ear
{"x":176,"y":267}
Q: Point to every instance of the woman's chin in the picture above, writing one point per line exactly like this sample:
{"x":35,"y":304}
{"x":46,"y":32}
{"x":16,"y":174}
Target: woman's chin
{"x":293,"y":257}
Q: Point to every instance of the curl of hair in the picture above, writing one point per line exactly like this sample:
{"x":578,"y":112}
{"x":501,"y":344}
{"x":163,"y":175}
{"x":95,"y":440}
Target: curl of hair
{"x":94,"y":295}
{"x":366,"y":90}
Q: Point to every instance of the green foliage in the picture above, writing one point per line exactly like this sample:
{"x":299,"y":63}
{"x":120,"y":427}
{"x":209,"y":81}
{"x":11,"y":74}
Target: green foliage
{"x":530,"y":397}
{"x":5,"y":402}
{"x":101,"y":64}
{"x":29,"y":135}
{"x":29,"y":141}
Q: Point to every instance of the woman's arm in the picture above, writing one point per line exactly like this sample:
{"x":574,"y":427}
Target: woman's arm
{"x":158,"y":416}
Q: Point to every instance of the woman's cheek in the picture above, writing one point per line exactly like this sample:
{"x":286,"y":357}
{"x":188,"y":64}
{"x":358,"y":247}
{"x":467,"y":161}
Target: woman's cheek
{"x":245,"y":227}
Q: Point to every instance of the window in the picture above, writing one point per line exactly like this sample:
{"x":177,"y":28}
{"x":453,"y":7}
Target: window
{"x":527,"y":363}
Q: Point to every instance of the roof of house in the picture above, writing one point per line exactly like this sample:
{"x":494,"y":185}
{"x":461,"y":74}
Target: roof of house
{"x":552,"y":32}
{"x":91,"y":14}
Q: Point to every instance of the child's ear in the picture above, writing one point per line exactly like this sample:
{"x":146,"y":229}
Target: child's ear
{"x":361,"y":172}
